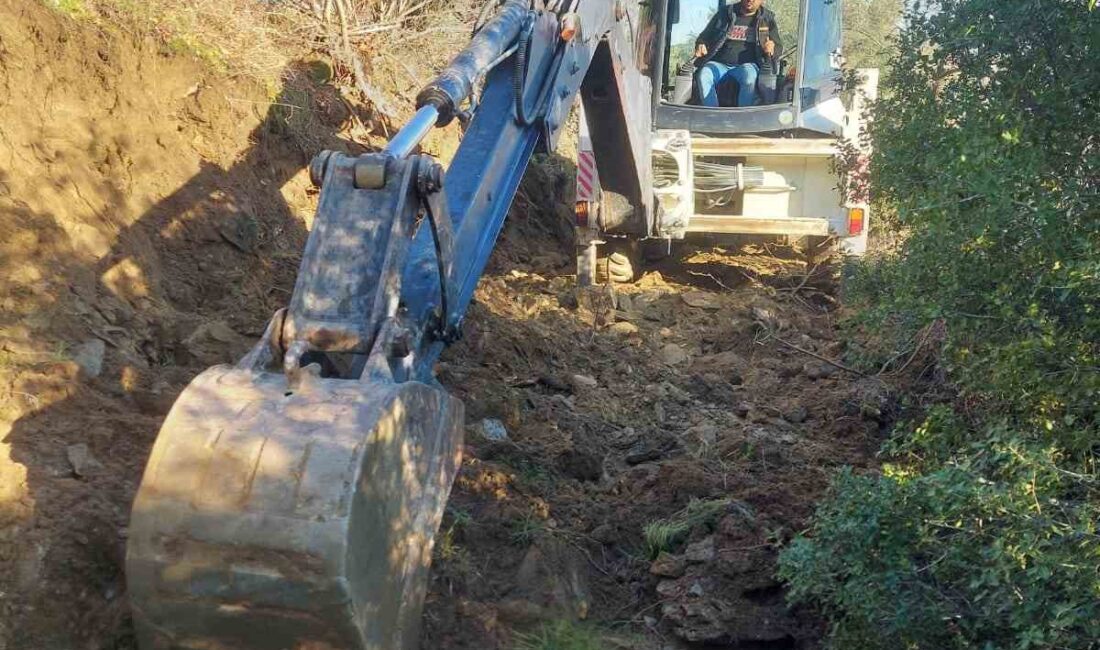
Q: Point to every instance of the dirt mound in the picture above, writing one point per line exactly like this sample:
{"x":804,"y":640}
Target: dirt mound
{"x":151,"y":218}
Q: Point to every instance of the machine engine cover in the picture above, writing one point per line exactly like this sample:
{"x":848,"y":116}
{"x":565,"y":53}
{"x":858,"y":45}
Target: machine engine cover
{"x":272,"y":518}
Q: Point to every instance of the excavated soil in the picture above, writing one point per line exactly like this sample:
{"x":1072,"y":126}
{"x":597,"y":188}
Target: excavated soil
{"x":151,"y":218}
{"x":622,"y":407}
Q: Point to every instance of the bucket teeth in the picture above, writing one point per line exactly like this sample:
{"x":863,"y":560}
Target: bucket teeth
{"x":273,"y":519}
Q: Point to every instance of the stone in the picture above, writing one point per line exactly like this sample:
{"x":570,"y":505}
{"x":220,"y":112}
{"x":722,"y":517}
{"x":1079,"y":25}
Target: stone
{"x":673,"y":354}
{"x":701,"y":300}
{"x":240,"y":230}
{"x":89,"y":356}
{"x":796,"y":415}
{"x":742,"y":409}
{"x":492,"y":430}
{"x":554,"y":383}
{"x":81,"y":460}
{"x":605,"y":534}
{"x":623,"y":328}
{"x":553,"y":574}
{"x":216,"y":342}
{"x":582,"y":382}
{"x":668,"y":588}
{"x":676,"y":393}
{"x":668,"y":566}
{"x":787,"y":372}
{"x":701,"y":551}
{"x":765,"y":317}
{"x":818,"y":370}
{"x":643,"y":455}
{"x":696,"y":590}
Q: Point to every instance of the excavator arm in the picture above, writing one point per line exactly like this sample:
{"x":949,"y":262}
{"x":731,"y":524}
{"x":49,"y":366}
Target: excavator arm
{"x":291,"y":500}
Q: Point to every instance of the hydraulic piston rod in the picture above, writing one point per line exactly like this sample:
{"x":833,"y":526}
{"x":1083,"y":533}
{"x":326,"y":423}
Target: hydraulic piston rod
{"x":410,"y":135}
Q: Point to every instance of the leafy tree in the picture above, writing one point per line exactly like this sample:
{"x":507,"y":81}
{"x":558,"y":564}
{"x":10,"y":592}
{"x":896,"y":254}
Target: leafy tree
{"x":982,"y":533}
{"x":869,"y":30}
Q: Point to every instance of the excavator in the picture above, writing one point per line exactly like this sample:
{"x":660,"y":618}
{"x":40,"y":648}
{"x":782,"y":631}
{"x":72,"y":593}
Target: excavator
{"x":291,"y":500}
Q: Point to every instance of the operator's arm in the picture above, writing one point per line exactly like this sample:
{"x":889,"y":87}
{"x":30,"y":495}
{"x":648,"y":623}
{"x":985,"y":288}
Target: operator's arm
{"x":773,"y":33}
{"x":707,"y":36}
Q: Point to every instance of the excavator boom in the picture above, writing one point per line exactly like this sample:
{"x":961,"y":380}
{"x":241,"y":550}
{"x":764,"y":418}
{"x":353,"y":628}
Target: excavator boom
{"x":291,"y":500}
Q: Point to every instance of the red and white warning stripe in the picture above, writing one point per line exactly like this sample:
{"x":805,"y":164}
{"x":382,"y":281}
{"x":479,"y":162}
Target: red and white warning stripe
{"x":587,"y":179}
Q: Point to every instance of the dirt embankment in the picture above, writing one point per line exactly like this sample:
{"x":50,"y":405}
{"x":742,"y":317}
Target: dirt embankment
{"x":151,"y":219}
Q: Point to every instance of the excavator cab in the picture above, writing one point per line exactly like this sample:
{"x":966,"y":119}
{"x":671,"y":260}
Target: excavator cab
{"x":761,"y":167}
{"x":796,"y":91}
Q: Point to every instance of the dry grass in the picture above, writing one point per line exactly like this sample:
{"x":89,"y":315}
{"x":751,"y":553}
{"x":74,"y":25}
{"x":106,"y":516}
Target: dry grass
{"x":380,"y":51}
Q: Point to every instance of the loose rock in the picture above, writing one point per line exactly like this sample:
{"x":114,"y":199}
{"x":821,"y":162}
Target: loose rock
{"x":89,"y":356}
{"x":623,"y":328}
{"x":644,"y":455}
{"x":701,"y":300}
{"x":492,"y":430}
{"x":673,"y":354}
{"x":818,"y":370}
{"x":668,"y":566}
{"x":581,"y":382}
{"x":81,"y":460}
{"x":796,"y":415}
{"x":701,"y":551}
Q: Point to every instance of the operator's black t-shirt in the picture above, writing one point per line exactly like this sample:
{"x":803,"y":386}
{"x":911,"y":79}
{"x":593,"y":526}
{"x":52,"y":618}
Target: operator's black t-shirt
{"x":740,"y":45}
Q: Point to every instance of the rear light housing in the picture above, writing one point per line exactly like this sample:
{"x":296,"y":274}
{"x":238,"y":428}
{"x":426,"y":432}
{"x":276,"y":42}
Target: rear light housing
{"x":856,"y":221}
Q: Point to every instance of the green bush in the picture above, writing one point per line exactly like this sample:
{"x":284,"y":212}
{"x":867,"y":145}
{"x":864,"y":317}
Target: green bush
{"x":983,"y":531}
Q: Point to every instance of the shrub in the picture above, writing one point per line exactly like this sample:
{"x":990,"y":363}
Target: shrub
{"x":983,"y":531}
{"x":561,"y":635}
{"x":665,"y":534}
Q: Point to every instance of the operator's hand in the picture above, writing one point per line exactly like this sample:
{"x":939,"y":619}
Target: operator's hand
{"x":700,"y":51}
{"x":769,"y":47}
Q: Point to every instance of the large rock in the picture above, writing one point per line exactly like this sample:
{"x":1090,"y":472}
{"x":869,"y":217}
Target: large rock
{"x":216,"y":342}
{"x":89,"y":356}
{"x":81,"y":460}
{"x":701,"y":552}
{"x":553,"y":576}
{"x":673,"y":354}
{"x":492,"y":430}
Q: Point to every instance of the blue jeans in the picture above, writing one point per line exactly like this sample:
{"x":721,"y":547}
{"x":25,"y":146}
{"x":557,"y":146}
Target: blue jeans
{"x":712,"y":74}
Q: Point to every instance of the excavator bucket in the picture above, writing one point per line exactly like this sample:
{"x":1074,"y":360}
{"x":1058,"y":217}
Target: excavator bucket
{"x":273,"y":517}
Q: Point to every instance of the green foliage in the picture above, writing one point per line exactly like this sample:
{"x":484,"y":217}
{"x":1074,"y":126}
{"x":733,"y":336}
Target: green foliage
{"x":950,"y":559}
{"x":73,"y":8}
{"x":561,"y":635}
{"x":526,"y":529}
{"x":983,"y":534}
{"x":666,"y":534}
{"x":870,"y":27}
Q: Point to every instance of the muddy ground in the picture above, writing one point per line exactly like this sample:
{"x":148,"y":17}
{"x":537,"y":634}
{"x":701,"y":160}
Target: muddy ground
{"x":151,"y":218}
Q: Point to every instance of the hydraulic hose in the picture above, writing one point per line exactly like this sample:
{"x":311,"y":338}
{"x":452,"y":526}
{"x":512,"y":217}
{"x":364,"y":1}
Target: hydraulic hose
{"x":519,"y":77}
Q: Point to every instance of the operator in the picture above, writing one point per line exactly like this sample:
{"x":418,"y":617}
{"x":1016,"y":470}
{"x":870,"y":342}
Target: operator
{"x":740,"y":40}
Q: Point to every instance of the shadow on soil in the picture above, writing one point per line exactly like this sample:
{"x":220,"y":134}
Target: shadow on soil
{"x":191,"y":283}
